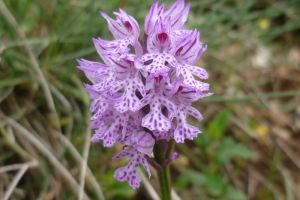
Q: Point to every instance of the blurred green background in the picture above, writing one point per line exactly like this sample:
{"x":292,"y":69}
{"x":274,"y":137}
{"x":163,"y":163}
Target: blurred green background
{"x":249,"y":148}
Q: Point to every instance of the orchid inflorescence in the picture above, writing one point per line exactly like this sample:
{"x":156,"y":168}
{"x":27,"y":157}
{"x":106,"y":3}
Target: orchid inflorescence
{"x":144,"y":90}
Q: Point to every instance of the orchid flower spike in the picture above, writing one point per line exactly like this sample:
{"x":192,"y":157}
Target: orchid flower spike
{"x":144,"y":89}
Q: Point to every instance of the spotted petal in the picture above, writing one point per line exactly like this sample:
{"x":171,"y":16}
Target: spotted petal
{"x":193,"y":112}
{"x":155,"y":120}
{"x":110,"y":134}
{"x":112,"y":49}
{"x":184,"y":72}
{"x":105,"y":83}
{"x":98,"y":107}
{"x":93,"y":70}
{"x":183,"y":130}
{"x":129,"y":100}
{"x":157,"y":63}
{"x":129,"y":172}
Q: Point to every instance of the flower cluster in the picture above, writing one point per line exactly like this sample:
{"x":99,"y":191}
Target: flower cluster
{"x":143,"y":92}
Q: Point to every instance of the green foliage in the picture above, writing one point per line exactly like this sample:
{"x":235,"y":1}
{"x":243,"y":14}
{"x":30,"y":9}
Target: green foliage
{"x":216,"y":128}
{"x":229,"y":149}
{"x":215,"y":184}
{"x":221,"y":150}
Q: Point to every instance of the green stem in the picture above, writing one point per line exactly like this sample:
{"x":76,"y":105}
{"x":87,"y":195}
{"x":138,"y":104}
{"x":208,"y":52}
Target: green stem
{"x":164,"y":173}
{"x":164,"y":182}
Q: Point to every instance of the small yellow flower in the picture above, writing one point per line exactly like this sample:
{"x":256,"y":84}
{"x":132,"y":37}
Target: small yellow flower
{"x":262,"y":131}
{"x":263,"y":23}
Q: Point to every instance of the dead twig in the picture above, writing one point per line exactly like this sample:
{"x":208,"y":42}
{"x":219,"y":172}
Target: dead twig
{"x":44,"y":150}
{"x":288,"y":183}
{"x":22,"y":169}
{"x":40,"y":76}
{"x":258,"y":176}
{"x":84,"y":164}
{"x":7,"y":168}
{"x":174,"y":195}
{"x":89,"y":176}
{"x":285,"y":148}
{"x":151,"y":191}
{"x":6,"y":93}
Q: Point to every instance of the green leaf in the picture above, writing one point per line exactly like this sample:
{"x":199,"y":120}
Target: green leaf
{"x":217,"y":127}
{"x":229,"y":149}
{"x":181,"y":182}
{"x":214,"y":184}
{"x":232,"y":193}
{"x":194,"y":177}
{"x":203,"y":141}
